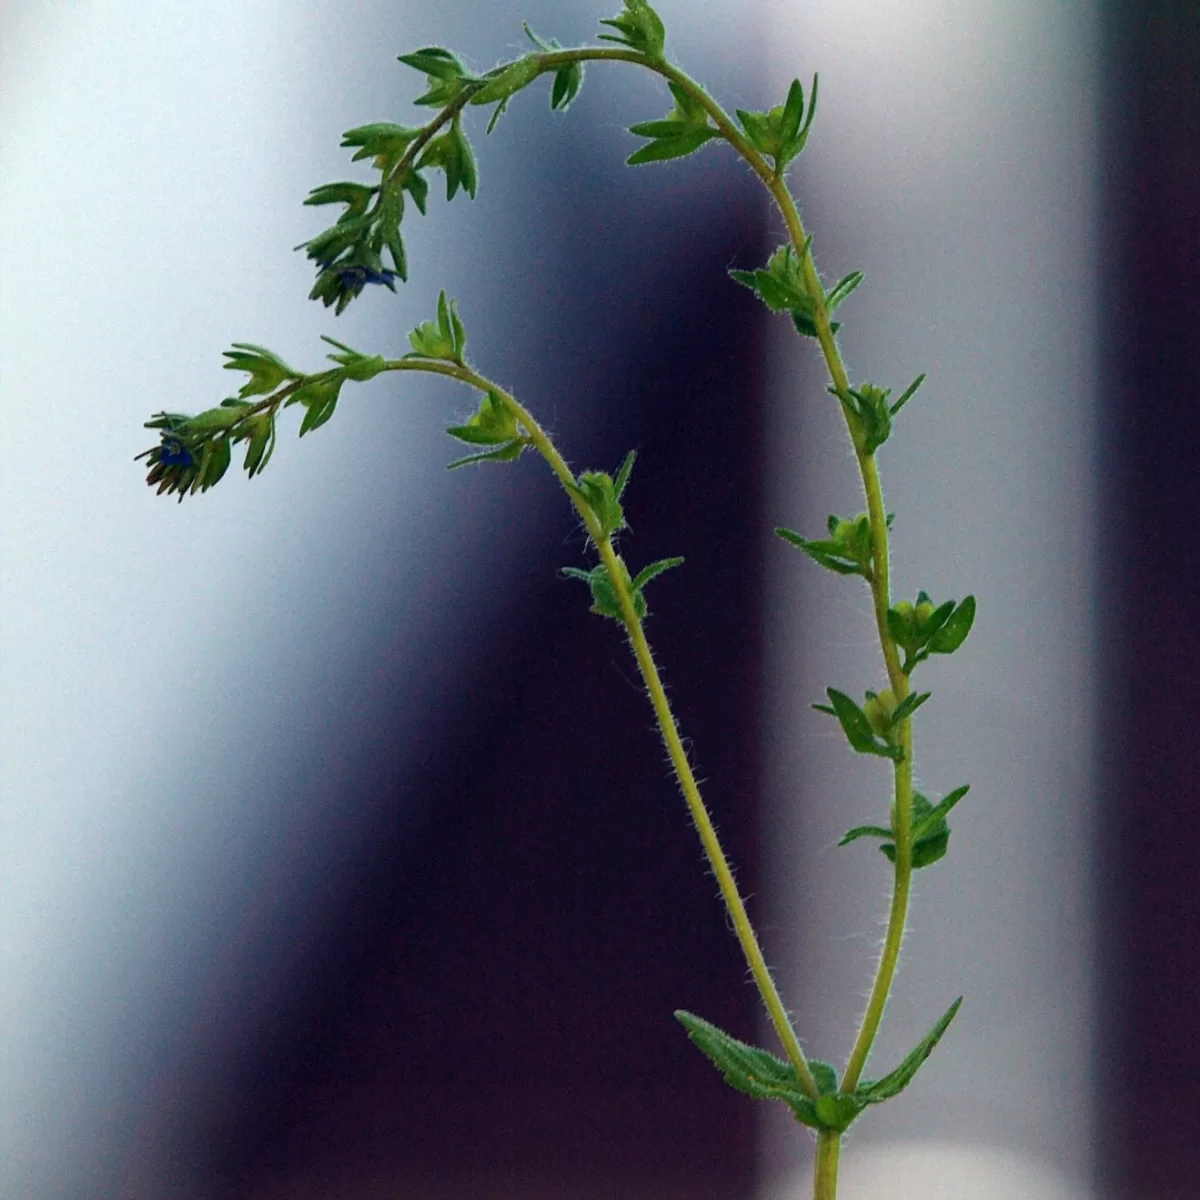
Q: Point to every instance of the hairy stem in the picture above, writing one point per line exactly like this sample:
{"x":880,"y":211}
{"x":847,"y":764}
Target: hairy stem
{"x":662,"y":711}
{"x":825,"y":1169}
{"x":704,"y":826}
{"x":902,"y":807}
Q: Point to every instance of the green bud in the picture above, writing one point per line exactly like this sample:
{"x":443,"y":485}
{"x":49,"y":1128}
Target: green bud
{"x":924,"y":611}
{"x":879,"y":710}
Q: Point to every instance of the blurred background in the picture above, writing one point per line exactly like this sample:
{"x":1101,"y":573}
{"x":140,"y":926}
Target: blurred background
{"x":339,"y":854}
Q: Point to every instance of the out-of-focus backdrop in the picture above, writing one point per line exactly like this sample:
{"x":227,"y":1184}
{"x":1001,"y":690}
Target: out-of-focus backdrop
{"x":338,"y":854}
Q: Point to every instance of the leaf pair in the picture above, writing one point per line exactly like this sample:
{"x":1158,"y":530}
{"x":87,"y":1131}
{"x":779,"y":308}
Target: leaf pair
{"x":762,"y":1076}
{"x":265,"y":368}
{"x":930,"y":833}
{"x":451,"y":153}
{"x":493,"y":424}
{"x":870,"y":411}
{"x":848,"y":550}
{"x":605,"y":599}
{"x":639,"y":27}
{"x":781,"y":287}
{"x":921,"y":630}
{"x":444,"y":73}
{"x":319,"y":394}
{"x":601,"y":495}
{"x":684,"y":130}
{"x":782,"y":132}
{"x":444,"y":339}
{"x":567,"y":80}
{"x":857,"y":726}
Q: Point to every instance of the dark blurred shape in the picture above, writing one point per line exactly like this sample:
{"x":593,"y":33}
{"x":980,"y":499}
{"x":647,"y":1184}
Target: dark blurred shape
{"x":1149,"y":1110}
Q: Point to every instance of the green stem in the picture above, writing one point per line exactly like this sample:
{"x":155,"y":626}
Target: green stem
{"x":825,"y":1170}
{"x":885,"y":972}
{"x":704,"y":826}
{"x":662,"y":711}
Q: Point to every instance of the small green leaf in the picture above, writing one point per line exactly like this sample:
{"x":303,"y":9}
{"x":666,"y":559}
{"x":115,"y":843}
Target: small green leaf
{"x":908,"y":706}
{"x":266,"y":369}
{"x":567,"y":80}
{"x":445,"y":74}
{"x":654,"y":570}
{"x":505,"y":453}
{"x":936,"y":817}
{"x":214,"y":462}
{"x":861,"y":831}
{"x":762,"y":1076}
{"x":445,"y":339}
{"x":746,"y":1068}
{"x":436,"y":61}
{"x":567,"y":83}
{"x":780,"y":285}
{"x":895,"y":1082}
{"x":758,"y":130}
{"x":871,"y":414}
{"x":466,"y":161}
{"x":908,"y":394}
{"x":842,"y":289}
{"x":417,"y":187}
{"x":856,"y":727}
{"x":954,"y":632}
{"x":605,"y":601}
{"x":259,"y":433}
{"x":925,"y":852}
{"x":793,"y":112}
{"x":493,"y":424}
{"x":546,"y":44}
{"x":356,"y":365}
{"x":639,"y":27}
{"x":937,"y":618}
{"x":623,"y":472}
{"x":778,"y":133}
{"x":665,"y":148}
{"x":459,"y":334}
{"x":597,"y":491}
{"x":797,"y":144}
{"x":684,"y":130}
{"x":319,"y":397}
{"x":451,"y":152}
{"x":829,"y":554}
{"x":382,"y":141}
{"x":930,"y":833}
{"x":356,"y":197}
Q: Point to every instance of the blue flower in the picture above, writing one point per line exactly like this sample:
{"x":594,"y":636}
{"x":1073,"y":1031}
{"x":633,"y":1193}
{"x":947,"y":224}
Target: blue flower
{"x":355,"y":276}
{"x":174,"y":452}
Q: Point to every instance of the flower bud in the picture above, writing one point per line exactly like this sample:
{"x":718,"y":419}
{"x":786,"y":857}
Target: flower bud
{"x":843,"y":532}
{"x":879,"y":709}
